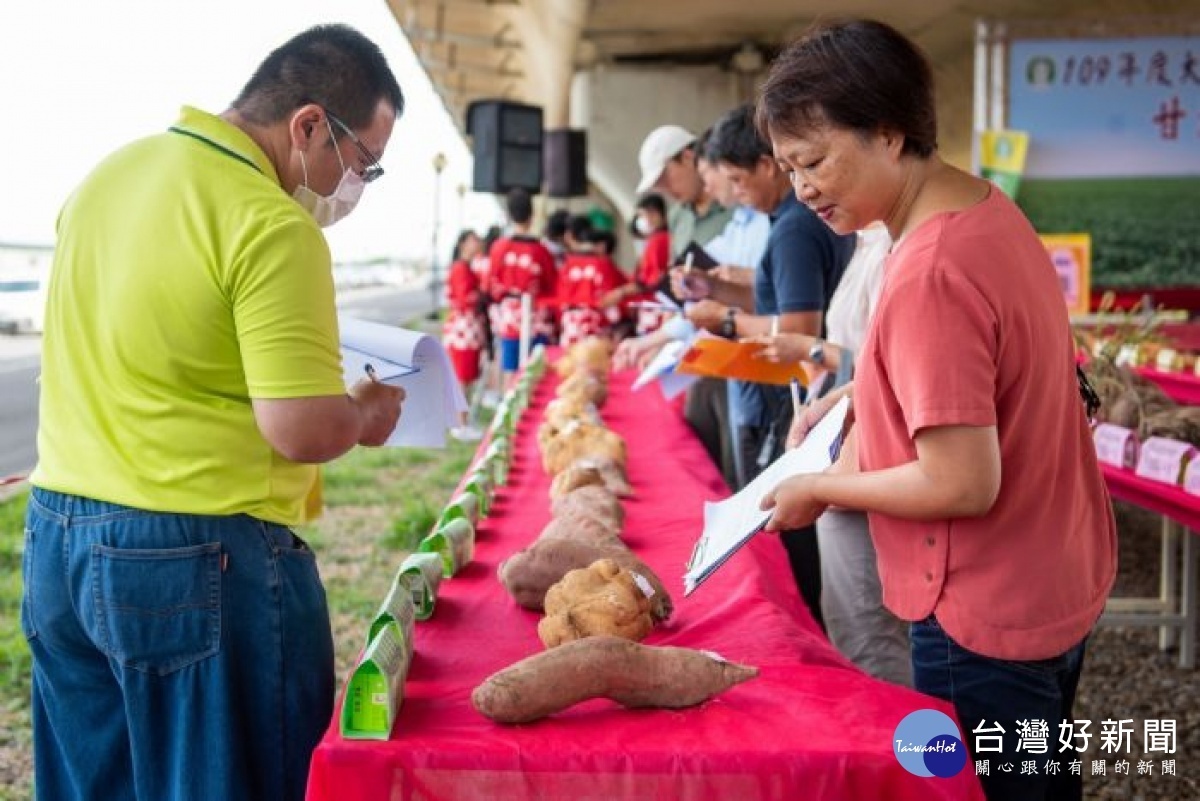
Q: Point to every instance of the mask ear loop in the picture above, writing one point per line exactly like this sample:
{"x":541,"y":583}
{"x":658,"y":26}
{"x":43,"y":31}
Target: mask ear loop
{"x":304,"y":167}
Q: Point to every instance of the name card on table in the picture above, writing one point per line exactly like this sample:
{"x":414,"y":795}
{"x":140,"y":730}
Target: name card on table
{"x":1168,"y":360}
{"x":1116,"y":445}
{"x":1191,"y":479}
{"x":1165,"y":460}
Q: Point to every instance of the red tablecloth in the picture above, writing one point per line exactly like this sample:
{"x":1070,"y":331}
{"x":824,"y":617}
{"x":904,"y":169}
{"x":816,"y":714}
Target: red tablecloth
{"x":1172,"y":502}
{"x":1181,"y":387}
{"x":810,"y":726}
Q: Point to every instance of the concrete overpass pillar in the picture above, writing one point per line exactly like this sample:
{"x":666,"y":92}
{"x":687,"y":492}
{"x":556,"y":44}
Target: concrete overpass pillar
{"x":550,"y":30}
{"x":620,"y":105}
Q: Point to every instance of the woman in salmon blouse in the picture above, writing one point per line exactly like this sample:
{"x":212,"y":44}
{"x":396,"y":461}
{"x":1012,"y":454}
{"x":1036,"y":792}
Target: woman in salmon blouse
{"x":971,"y":451}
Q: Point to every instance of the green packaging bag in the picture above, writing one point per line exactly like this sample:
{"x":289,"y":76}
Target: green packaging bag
{"x":398,"y":610}
{"x":497,"y":457}
{"x":454,"y":542}
{"x":421,"y":574}
{"x":376,"y":687}
{"x":479,"y":484}
{"x":464,"y":505}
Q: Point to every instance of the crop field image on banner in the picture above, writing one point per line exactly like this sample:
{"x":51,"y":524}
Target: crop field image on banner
{"x":1114,"y":150}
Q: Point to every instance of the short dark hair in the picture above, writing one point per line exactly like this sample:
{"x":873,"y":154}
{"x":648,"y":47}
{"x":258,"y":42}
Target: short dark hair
{"x":519,"y":205}
{"x":702,"y":143}
{"x":653,"y":202}
{"x":580,"y":227}
{"x":557,"y":224}
{"x":494,"y":232}
{"x":862,"y":75}
{"x":606,"y":238}
{"x":334,"y":66}
{"x":459,"y":241}
{"x":736,"y":141}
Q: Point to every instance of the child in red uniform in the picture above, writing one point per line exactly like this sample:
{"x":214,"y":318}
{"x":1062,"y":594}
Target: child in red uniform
{"x":463,"y":333}
{"x":586,"y":282}
{"x":653,"y":266}
{"x":521,"y":265}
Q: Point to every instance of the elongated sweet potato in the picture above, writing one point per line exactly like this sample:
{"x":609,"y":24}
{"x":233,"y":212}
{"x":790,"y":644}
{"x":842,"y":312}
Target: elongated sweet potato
{"x":530,"y":573}
{"x":590,"y":501}
{"x":632,"y":674}
{"x":574,"y":526}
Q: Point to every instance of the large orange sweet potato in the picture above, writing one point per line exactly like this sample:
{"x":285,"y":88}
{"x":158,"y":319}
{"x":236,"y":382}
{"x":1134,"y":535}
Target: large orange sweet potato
{"x":632,"y":674}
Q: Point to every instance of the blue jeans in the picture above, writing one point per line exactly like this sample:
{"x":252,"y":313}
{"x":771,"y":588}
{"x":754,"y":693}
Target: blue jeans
{"x":987,"y":691}
{"x":175,"y":656}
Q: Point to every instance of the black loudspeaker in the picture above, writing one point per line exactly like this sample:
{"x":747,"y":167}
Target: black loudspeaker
{"x":566,"y":163}
{"x":507,"y":146}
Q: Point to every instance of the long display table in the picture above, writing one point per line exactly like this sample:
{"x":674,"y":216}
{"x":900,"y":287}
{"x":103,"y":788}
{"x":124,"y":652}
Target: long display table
{"x":1174,"y":611}
{"x":810,"y":726}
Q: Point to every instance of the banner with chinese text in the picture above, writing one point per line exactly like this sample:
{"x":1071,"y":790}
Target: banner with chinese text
{"x":1114,"y":150}
{"x":1107,"y":107}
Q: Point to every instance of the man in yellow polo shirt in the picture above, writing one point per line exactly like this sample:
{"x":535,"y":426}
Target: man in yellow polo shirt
{"x":191,"y":384}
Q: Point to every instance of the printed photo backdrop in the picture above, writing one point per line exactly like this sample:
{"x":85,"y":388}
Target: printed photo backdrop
{"x":1114,"y":151}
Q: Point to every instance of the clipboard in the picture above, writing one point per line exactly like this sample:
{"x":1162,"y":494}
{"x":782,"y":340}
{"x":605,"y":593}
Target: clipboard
{"x":723,"y":358}
{"x":701,"y":259}
{"x":731,"y":523}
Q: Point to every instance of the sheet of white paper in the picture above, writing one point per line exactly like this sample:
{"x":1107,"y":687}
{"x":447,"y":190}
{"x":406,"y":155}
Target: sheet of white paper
{"x":730,"y":522}
{"x":664,"y":362}
{"x":355,"y":362}
{"x":668,"y":301}
{"x":673,"y":384}
{"x":433,"y":401}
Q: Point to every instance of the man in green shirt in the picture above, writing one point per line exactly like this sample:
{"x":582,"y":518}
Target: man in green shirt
{"x":191,"y":384}
{"x":668,"y":164}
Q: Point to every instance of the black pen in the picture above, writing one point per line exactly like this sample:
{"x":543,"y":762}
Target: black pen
{"x":369,"y":369}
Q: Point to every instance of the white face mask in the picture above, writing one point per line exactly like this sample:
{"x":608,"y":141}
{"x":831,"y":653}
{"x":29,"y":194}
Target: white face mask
{"x":643,"y":226}
{"x":328,"y":209}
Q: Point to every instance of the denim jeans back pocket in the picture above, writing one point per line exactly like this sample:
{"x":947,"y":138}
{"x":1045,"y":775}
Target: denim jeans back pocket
{"x":157,"y":609}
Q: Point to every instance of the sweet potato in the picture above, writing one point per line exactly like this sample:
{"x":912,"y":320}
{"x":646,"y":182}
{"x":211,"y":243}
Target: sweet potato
{"x":530,"y":573}
{"x":584,"y":387}
{"x":562,"y":410}
{"x":574,"y":442}
{"x":590,"y":502}
{"x":583,"y":529}
{"x":593,"y":354}
{"x":602,"y":598}
{"x":577,"y":475}
{"x":632,"y":674}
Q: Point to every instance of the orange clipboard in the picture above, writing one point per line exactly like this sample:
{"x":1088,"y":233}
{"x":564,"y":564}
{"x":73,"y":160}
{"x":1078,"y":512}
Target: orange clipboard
{"x":724,"y":358}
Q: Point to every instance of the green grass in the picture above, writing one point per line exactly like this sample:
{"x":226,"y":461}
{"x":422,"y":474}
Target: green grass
{"x":14,"y":654}
{"x":379,"y":503}
{"x":1145,"y":231}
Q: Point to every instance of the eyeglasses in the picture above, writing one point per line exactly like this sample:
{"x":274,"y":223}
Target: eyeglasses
{"x":374,"y":169}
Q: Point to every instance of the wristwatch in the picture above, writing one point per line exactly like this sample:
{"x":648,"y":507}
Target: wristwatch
{"x":816,"y":354}
{"x":728,"y":328}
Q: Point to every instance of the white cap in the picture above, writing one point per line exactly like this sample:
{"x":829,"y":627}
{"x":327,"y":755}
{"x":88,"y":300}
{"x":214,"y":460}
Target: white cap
{"x":663,"y":144}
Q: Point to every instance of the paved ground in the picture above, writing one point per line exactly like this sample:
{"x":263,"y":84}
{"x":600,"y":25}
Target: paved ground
{"x":19,"y":360}
{"x":20,"y":357}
